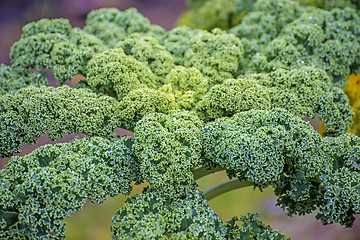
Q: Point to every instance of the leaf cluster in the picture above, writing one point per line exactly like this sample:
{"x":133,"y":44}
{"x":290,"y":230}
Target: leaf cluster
{"x":195,"y":99}
{"x":286,"y":34}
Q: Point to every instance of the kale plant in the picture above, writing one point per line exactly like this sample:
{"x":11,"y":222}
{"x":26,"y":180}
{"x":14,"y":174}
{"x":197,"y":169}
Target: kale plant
{"x":198,"y":101}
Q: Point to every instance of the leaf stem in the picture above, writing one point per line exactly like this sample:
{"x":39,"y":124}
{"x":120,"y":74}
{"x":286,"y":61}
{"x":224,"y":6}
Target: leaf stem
{"x":225,"y":187}
{"x":202,"y":172}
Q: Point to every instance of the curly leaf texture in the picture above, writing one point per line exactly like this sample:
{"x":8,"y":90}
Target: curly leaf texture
{"x":198,"y":101}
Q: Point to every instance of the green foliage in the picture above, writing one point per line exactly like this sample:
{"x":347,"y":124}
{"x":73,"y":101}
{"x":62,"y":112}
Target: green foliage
{"x":252,"y":229}
{"x":341,"y":205}
{"x":330,"y":4}
{"x":168,"y":147}
{"x":306,"y":91}
{"x":278,"y":149}
{"x":195,"y":99}
{"x":231,"y":97}
{"x":114,"y":73}
{"x":186,"y":86}
{"x":226,"y":14}
{"x":215,"y":54}
{"x":37,"y":41}
{"x":54,"y":45}
{"x":112,"y":26}
{"x":342,"y":156}
{"x":177,"y":42}
{"x":324,"y":39}
{"x":41,"y":189}
{"x":215,"y":14}
{"x":26,"y":114}
{"x":160,"y":218}
{"x":264,"y":141}
{"x":139,"y":102}
{"x":288,"y":34}
{"x":303,"y":92}
{"x":15,"y":78}
{"x":341,"y":189}
{"x":148,"y":51}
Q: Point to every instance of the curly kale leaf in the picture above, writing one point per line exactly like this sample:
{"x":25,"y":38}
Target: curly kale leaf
{"x":141,"y":102}
{"x":40,"y":189}
{"x":336,"y":112}
{"x":215,"y":14}
{"x":344,"y":151}
{"x":216,"y":55}
{"x":276,"y":148}
{"x":331,"y":4}
{"x":303,"y":92}
{"x":263,"y":146}
{"x":177,"y":42}
{"x":150,"y":216}
{"x":37,"y":41}
{"x":72,"y":56}
{"x":112,"y":26}
{"x":153,"y":78}
{"x":15,"y":78}
{"x":341,"y":197}
{"x":287,"y":34}
{"x":328,"y":40}
{"x":252,"y":228}
{"x":167,"y":147}
{"x":341,"y":189}
{"x":55,"y":45}
{"x":27,"y":113}
{"x":114,"y":73}
{"x":231,"y":97}
{"x":186,"y":86}
{"x":334,"y":191}
{"x":148,"y":51}
{"x":266,"y":19}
